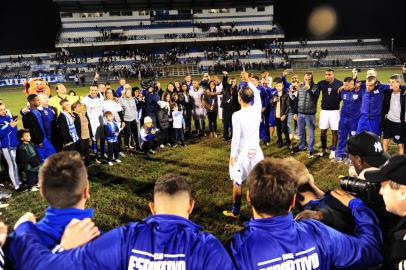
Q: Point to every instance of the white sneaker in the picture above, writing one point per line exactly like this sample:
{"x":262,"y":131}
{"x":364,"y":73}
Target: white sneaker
{"x":131,"y":147}
{"x":152,"y":151}
{"x":110,"y":163}
{"x":97,"y":161}
{"x":33,"y":189}
{"x":105,"y":155}
{"x":332,"y":154}
{"x":162,"y":146}
{"x":122,"y":154}
{"x":118,"y":161}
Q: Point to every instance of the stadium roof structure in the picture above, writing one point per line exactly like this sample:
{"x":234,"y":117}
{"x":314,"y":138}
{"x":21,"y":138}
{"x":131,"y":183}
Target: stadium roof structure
{"x":120,"y":5}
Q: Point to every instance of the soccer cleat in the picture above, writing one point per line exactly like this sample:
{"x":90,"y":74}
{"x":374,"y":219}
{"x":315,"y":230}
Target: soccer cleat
{"x":110,"y":163}
{"x":332,"y":154}
{"x":118,"y":161}
{"x":228,"y":213}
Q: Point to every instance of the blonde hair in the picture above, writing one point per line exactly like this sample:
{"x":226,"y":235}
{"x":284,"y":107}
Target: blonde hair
{"x":299,"y":170}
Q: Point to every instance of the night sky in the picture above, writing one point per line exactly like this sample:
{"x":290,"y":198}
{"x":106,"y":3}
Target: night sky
{"x":33,"y":25}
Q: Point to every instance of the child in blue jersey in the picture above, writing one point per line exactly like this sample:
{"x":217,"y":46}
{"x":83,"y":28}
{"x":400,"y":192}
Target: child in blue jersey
{"x":111,"y":131}
{"x":65,"y":187}
{"x":165,"y":240}
{"x":273,"y":239}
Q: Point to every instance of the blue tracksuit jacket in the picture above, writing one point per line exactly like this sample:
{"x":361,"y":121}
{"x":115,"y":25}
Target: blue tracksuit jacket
{"x":8,"y":134}
{"x":349,"y":116}
{"x":158,"y":242}
{"x":281,"y":242}
{"x":371,"y":109}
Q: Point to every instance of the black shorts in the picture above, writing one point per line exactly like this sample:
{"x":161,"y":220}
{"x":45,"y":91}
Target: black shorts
{"x":393,"y":130}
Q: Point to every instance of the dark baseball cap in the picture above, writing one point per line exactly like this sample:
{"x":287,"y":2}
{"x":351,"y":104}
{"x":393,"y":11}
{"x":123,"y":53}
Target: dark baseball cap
{"x":368,"y":146}
{"x":394,"y":170}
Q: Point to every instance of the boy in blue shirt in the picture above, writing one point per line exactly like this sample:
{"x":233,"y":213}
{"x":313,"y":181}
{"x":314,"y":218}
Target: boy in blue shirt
{"x":165,"y":240}
{"x":274,"y":240}
{"x":112,"y":130}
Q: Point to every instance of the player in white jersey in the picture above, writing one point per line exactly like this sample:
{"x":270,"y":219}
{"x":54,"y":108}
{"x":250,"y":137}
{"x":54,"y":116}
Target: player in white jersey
{"x":94,"y":112}
{"x":245,"y":149}
{"x":199,"y":113}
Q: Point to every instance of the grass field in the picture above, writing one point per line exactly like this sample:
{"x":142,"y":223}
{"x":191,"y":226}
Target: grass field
{"x":120,"y":194}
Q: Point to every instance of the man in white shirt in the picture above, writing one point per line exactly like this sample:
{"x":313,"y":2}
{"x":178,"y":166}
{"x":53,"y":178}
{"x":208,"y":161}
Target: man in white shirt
{"x":94,"y":112}
{"x":199,"y":113}
{"x":245,"y":149}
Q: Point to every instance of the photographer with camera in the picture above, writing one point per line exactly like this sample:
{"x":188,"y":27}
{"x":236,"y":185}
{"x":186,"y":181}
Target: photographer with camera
{"x":392,"y":179}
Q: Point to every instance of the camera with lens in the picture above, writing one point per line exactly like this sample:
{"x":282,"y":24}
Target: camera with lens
{"x":366,"y":191}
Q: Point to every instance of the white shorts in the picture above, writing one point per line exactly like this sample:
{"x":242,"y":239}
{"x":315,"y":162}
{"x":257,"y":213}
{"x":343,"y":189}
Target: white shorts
{"x":329,"y":119}
{"x":245,"y":162}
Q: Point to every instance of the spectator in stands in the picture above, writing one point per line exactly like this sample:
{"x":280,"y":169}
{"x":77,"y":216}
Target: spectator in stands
{"x":65,"y":187}
{"x":120,"y":89}
{"x":94,"y":112}
{"x":78,"y":114}
{"x":210,"y":103}
{"x":306,"y":101}
{"x":33,"y":121}
{"x":8,"y":145}
{"x":137,"y":244}
{"x":330,"y":110}
{"x":393,"y":114}
{"x":69,"y":128}
{"x":272,"y":188}
{"x":130,"y":116}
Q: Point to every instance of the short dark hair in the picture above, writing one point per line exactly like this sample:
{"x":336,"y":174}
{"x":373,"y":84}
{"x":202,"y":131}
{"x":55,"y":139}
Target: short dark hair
{"x":272,"y":187}
{"x":277,"y":80}
{"x":348,"y":79}
{"x":21,"y":132}
{"x":108,"y":113}
{"x":31,"y":97}
{"x":174,"y":105}
{"x":63,"y":101}
{"x":63,"y":178}
{"x":246,"y":94}
{"x":255,"y":77}
{"x":330,"y":70}
{"x":172,"y":184}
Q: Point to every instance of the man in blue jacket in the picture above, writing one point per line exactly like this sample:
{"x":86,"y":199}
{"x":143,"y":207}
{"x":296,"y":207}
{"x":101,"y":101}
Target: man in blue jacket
{"x":274,"y":240}
{"x":349,"y":116}
{"x":165,"y":240}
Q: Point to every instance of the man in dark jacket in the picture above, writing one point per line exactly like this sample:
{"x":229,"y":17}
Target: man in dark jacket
{"x":230,"y":104}
{"x":33,"y":121}
{"x":392,"y":177}
{"x":281,"y":111}
{"x":306,"y":101}
{"x":151,"y":104}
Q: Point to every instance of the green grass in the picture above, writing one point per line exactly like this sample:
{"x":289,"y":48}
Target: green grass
{"x":121,"y":193}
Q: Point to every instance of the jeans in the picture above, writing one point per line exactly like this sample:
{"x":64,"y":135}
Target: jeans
{"x":309,"y":121}
{"x":179,"y":135}
{"x":289,"y":123}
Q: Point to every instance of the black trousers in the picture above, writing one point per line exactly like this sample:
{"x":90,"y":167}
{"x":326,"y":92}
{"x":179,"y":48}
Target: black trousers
{"x":212,"y":116}
{"x":150,"y":145}
{"x":130,"y":128}
{"x":282,"y":127}
{"x":227,"y":124}
{"x":32,"y":178}
{"x":164,"y":134}
{"x":112,"y":151}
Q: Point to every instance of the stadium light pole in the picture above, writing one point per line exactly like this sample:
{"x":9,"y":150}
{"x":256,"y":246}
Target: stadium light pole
{"x":392,"y":44}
